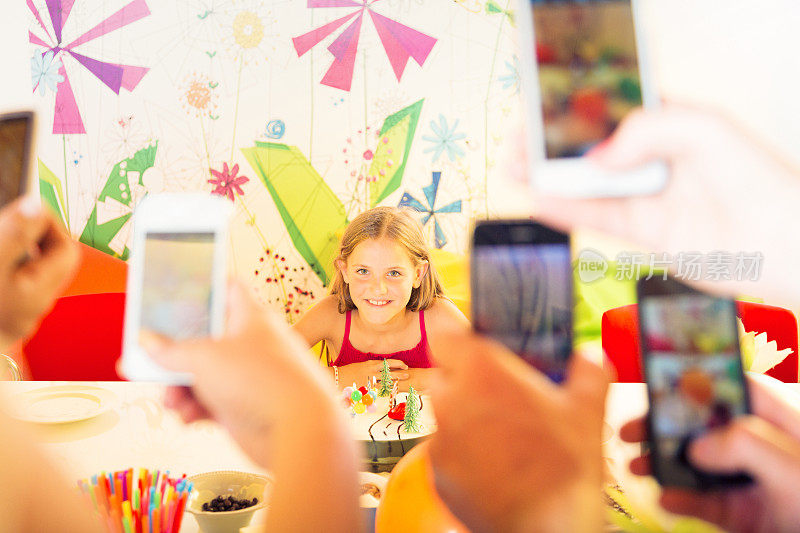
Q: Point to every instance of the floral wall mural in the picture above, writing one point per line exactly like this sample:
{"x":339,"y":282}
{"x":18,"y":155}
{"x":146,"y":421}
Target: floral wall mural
{"x":302,"y":113}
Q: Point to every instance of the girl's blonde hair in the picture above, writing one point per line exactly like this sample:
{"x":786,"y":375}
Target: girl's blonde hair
{"x":397,"y":225}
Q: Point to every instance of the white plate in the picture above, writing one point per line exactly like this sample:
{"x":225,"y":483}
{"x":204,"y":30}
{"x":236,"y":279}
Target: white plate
{"x":62,"y":404}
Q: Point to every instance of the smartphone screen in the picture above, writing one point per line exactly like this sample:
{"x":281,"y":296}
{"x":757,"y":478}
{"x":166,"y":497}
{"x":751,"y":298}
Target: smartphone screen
{"x":176,"y":287}
{"x":693,"y":369}
{"x":588,"y":71}
{"x":14,"y":146}
{"x":522,"y":291}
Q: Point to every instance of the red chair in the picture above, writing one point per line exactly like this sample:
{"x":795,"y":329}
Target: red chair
{"x":79,"y":340}
{"x":620,"y":337}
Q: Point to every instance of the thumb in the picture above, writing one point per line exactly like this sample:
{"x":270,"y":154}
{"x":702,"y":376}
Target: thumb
{"x":588,"y":381}
{"x":748,"y":444}
{"x":240,"y":306}
{"x":654,"y":134}
{"x":181,"y":356}
{"x":22,"y":225}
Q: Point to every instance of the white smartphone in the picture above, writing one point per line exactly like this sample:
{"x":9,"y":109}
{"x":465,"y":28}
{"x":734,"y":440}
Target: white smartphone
{"x":584,"y":68}
{"x":176,"y":276}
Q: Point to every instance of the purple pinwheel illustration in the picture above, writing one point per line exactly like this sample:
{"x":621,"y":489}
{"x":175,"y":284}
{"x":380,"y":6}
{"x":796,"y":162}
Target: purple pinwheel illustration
{"x":67,"y":117}
{"x":399,"y":41}
{"x":430,"y":211}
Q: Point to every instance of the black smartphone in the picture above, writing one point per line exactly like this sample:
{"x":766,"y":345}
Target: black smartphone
{"x":693,"y":370}
{"x":16,"y":154}
{"x":521,"y":278}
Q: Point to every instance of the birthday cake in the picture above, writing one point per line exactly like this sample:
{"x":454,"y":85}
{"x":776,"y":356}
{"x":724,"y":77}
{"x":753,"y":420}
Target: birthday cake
{"x":390,"y":424}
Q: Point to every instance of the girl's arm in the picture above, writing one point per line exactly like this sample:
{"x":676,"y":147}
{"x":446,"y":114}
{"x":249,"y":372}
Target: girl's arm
{"x":316,"y":323}
{"x":442,"y":318}
{"x":445,"y":316}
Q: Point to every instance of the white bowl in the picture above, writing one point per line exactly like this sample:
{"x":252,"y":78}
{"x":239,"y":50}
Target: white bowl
{"x":367,"y":500}
{"x":209,"y":485}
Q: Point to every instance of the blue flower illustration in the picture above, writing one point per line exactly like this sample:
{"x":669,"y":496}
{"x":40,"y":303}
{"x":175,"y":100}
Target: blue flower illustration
{"x":444,"y":140}
{"x":511,"y":79}
{"x":430,"y":210}
{"x":44,"y":71}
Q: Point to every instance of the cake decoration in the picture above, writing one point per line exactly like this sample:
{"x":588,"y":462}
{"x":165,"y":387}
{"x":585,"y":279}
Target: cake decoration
{"x":386,"y":380}
{"x":360,"y":400}
{"x":411,"y":418}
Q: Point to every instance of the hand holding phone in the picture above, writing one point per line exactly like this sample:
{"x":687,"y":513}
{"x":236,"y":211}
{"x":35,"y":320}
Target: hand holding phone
{"x":176,"y":276}
{"x":521,"y":278}
{"x":693,"y":369}
{"x":584,"y":69}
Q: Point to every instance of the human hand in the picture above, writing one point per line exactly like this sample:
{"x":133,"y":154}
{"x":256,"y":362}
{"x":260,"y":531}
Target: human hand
{"x":243,"y":379}
{"x":258,"y":382}
{"x":36,"y":259}
{"x":422,"y":379}
{"x":766,"y":445}
{"x":546,"y":473}
{"x":726,"y":193}
{"x":362,"y":373}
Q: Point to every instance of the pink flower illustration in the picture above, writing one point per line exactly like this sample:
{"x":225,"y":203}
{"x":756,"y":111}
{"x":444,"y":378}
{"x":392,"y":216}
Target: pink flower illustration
{"x":227,"y":181}
{"x":399,"y":41}
{"x":67,"y":117}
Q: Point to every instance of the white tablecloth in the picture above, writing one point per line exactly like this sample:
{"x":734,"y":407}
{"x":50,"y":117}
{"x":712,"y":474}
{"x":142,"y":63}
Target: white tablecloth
{"x":140,"y":432}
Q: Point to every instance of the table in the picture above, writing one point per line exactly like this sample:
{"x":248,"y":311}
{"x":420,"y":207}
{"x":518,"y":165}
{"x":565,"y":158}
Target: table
{"x":140,"y":432}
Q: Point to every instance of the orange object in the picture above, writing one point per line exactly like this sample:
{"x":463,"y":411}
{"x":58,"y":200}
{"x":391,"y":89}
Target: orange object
{"x":590,"y":104}
{"x":697,"y":386}
{"x":97,"y":272}
{"x":410,"y":502}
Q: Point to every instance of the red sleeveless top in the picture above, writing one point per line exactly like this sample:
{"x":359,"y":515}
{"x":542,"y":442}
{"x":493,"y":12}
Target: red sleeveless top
{"x":416,"y":357}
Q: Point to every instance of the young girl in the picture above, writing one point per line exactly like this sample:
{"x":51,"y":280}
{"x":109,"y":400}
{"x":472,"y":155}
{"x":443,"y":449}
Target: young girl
{"x":385,"y":302}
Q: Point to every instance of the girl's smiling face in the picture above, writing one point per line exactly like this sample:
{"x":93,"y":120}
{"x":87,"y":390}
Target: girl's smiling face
{"x":381,"y":276}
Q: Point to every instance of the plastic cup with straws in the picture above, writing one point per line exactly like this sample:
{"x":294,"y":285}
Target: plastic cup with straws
{"x":138,"y":501}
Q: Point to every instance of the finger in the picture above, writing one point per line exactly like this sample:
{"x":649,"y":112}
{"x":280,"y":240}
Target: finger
{"x":185,"y":403}
{"x":456,"y":350}
{"x":395,"y":364}
{"x":241,"y":307}
{"x":653,"y":134}
{"x":57,"y":257}
{"x":770,"y":401}
{"x":747,"y":444}
{"x":398,"y":376}
{"x":641,"y":466}
{"x":587,"y":381}
{"x":192,"y":411}
{"x":447,"y":345}
{"x":181,"y":356}
{"x":634,"y":431}
{"x":708,"y":506}
{"x":21,"y":227}
{"x":174,"y":396}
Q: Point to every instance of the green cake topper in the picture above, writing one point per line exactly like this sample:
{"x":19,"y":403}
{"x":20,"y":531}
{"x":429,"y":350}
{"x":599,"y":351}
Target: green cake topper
{"x":386,"y":381}
{"x":411,"y":421}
